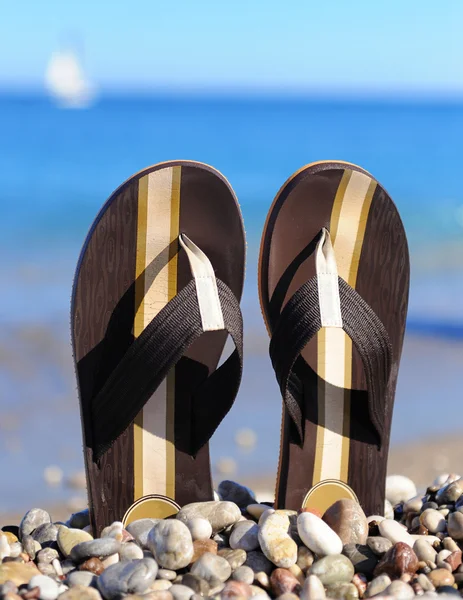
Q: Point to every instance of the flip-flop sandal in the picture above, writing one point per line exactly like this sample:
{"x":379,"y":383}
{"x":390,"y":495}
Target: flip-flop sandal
{"x":156,"y":293}
{"x":333,"y":285}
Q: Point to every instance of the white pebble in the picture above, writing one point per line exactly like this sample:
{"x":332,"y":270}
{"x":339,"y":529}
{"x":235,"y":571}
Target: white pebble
{"x":57,"y":566}
{"x":395,"y":532}
{"x":49,"y":589}
{"x":433,"y":520}
{"x":110,"y":560}
{"x":4,"y":547}
{"x":388,"y":510}
{"x":313,"y":589}
{"x":200,"y":528}
{"x":317,"y":535}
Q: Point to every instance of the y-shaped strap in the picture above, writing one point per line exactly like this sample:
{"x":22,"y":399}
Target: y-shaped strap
{"x":319,"y":303}
{"x":205,"y":304}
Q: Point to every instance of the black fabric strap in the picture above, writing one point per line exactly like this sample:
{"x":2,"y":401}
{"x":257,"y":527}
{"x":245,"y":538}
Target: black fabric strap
{"x":151,"y":356}
{"x":300,"y":321}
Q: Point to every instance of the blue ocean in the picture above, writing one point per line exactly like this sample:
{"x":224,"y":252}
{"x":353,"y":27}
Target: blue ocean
{"x":58,"y":166}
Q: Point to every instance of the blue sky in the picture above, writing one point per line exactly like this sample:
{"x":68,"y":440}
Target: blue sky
{"x":373,"y":46}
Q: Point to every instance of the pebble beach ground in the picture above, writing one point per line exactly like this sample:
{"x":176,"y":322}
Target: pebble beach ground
{"x":235,"y":547}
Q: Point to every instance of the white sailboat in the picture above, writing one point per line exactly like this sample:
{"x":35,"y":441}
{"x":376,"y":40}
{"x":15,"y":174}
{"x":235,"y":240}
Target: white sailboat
{"x":65,"y":80}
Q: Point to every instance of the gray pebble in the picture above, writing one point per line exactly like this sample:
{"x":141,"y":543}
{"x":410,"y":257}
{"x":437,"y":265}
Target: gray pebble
{"x":244,"y":536}
{"x":219,"y":514}
{"x":49,"y":589}
{"x":171,"y":544}
{"x":79,"y":520}
{"x":362,"y":557}
{"x":67,"y":566}
{"x":332,"y":569}
{"x":424,"y":550}
{"x":214,"y":569}
{"x":377,"y":585}
{"x":46,"y":533}
{"x":258,"y":562}
{"x":29,"y":546}
{"x":167,"y":574}
{"x":236,"y":558}
{"x":400,"y":590}
{"x":100,"y":548}
{"x":181,"y":592}
{"x":130,"y":551}
{"x":197,"y":584}
{"x":140,"y":529}
{"x":31,"y":520}
{"x":46,"y":569}
{"x":379,"y":545}
{"x":234,"y":492}
{"x":84,"y":578}
{"x":245,"y":574}
{"x":46,"y":555}
{"x":134,"y":577}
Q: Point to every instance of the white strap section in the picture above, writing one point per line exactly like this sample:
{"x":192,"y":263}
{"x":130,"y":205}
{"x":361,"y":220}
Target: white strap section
{"x":206,"y":285}
{"x":327,"y":279}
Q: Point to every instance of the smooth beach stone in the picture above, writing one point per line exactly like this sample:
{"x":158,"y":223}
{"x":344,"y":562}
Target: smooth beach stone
{"x":29,"y":546}
{"x":134,"y":577}
{"x":15,"y":549}
{"x":220,"y":514}
{"x":80,"y":592}
{"x":115,"y":530}
{"x":347,"y":519}
{"x":362,"y":557}
{"x":79,"y":520}
{"x":455,"y":525}
{"x":200,"y":528}
{"x":80,"y":578}
{"x":342,"y":591}
{"x":130,"y":551}
{"x":140,"y":530}
{"x":305,"y":558}
{"x":33,"y":519}
{"x":283,"y":581}
{"x":18,"y":573}
{"x":46,"y":533}
{"x":399,"y":560}
{"x":258,"y":562}
{"x":450,"y":544}
{"x":454,"y":560}
{"x":379,"y":545}
{"x":256,"y":510}
{"x":160,"y":585}
{"x":214,"y":569}
{"x":167,"y":574}
{"x":101,"y":547}
{"x":244,"y":536}
{"x":235,"y":492}
{"x":433,"y":520}
{"x":298,"y":573}
{"x":46,"y":555}
{"x":94,"y":565}
{"x":5,"y":549}
{"x":181,"y":592}
{"x":450,"y":493}
{"x":112,"y":559}
{"x":399,"y":489}
{"x":377,"y":586}
{"x":430,"y":539}
{"x":245,"y":574}
{"x":68,"y":538}
{"x":424,"y":550}
{"x":171,"y":544}
{"x":393,"y":531}
{"x":49,"y":589}
{"x":317,"y":535}
{"x":197,"y":584}
{"x":47,"y":570}
{"x":200,"y":547}
{"x":313,"y":589}
{"x":236,"y":558}
{"x":335,"y":568}
{"x":274,"y":540}
{"x":400,"y":590}
{"x":440,"y":577}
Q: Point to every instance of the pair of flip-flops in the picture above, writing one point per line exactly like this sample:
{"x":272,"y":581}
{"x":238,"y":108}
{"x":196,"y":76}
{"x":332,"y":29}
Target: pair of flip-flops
{"x":157,"y":292}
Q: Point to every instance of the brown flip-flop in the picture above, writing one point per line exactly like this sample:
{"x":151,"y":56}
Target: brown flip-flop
{"x":156,"y":293}
{"x":333,"y":285}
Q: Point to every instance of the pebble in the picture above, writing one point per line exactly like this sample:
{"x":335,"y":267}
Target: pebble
{"x":18,"y":573}
{"x":130,"y":551}
{"x":79,"y":520}
{"x":313,"y":589}
{"x":80,"y":592}
{"x":80,"y":578}
{"x":450,"y":493}
{"x":377,"y":585}
{"x":455,"y":525}
{"x":181,"y":592}
{"x":235,"y":558}
{"x":31,"y":520}
{"x":220,"y":514}
{"x":415,"y":504}
{"x":112,"y":559}
{"x":245,"y":536}
{"x":398,"y":561}
{"x":283,"y":581}
{"x":333,"y":569}
{"x":454,"y":560}
{"x":236,"y":589}
{"x":400,"y":590}
{"x":200,"y":528}
{"x":440,"y":577}
{"x":46,"y":555}
{"x":171,"y":544}
{"x":433,"y":520}
{"x":68,"y":538}
{"x":424,"y":550}
{"x":46,"y":533}
{"x":347,"y":519}
{"x":214,"y":569}
{"x":200,"y":547}
{"x":160,"y":585}
{"x":362,"y":557}
{"x":245,"y":574}
{"x":94,"y":565}
{"x":393,"y":531}
{"x":317,"y":535}
{"x":140,"y":530}
{"x":305,"y":558}
{"x":342,"y":591}
{"x":388,"y":510}
{"x":235,"y":492}
{"x":399,"y":489}
{"x":134,"y":577}
{"x":275,"y":542}
{"x":101,"y":547}
{"x":49,"y":589}
{"x":379,"y":545}
{"x":256,"y":510}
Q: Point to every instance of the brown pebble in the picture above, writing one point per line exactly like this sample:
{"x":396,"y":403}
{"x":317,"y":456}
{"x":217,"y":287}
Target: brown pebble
{"x":31,"y":594}
{"x":360,"y":582}
{"x":454,"y":560}
{"x":200,"y":547}
{"x":398,"y":560}
{"x":94,"y":565}
{"x":347,"y":519}
{"x":283,"y":581}
{"x":235,"y":589}
{"x":441,"y":577}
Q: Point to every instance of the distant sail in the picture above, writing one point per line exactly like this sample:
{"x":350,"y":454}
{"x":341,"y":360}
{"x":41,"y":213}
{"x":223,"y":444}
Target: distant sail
{"x":66,"y":82}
